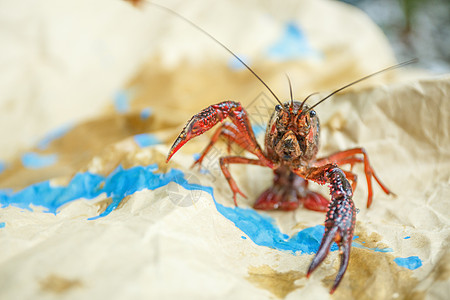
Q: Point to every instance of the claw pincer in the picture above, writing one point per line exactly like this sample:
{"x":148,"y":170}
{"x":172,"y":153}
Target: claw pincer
{"x":202,"y":122}
{"x":339,"y":223}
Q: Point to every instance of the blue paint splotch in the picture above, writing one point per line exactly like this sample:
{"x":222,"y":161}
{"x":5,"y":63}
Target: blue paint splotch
{"x":412,"y":262}
{"x":146,"y":113}
{"x":146,"y":139}
{"x":2,"y":166}
{"x":2,"y":224}
{"x":34,"y":160}
{"x":292,"y":45}
{"x":117,"y":185}
{"x":54,"y":135}
{"x":262,"y":230}
{"x":259,"y":129}
{"x":122,"y":101}
{"x":406,"y":237}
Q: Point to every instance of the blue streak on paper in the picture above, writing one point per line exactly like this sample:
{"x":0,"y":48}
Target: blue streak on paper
{"x":262,"y":230}
{"x":146,"y":113}
{"x":258,"y":227}
{"x":82,"y":185}
{"x":293,"y":44}
{"x":235,"y":64}
{"x":2,"y":167}
{"x":146,"y":139}
{"x":259,"y":129}
{"x":412,"y":262}
{"x":122,"y":101}
{"x":53,"y":135}
{"x":117,"y":185}
{"x":376,"y":249}
{"x":34,"y":160}
{"x":407,"y":237}
{"x":2,"y":224}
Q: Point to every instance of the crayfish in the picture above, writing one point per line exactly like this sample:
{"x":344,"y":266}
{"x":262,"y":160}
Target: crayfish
{"x":290,"y":150}
{"x":291,"y":146}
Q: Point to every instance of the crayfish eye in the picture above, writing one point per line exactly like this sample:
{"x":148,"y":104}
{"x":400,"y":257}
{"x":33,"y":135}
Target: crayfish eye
{"x":312,"y":113}
{"x":278,"y":107}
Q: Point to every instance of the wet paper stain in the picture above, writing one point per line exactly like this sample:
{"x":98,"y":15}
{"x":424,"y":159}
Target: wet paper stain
{"x":58,"y":285}
{"x":365,"y":280}
{"x":280,"y":284}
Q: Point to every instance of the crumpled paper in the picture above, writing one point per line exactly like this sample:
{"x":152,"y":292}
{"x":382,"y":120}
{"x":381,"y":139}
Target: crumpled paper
{"x":128,"y":225}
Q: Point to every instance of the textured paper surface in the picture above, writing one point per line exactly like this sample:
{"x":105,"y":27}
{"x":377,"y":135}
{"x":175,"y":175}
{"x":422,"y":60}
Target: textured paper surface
{"x":175,"y":232}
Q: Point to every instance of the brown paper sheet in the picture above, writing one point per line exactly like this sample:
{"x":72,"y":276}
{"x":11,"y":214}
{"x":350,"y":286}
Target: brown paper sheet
{"x":158,"y":245}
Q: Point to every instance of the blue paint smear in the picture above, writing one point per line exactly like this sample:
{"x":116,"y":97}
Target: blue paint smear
{"x":235,"y":64}
{"x":259,"y":227}
{"x":146,"y":113}
{"x":262,"y":230}
{"x":412,"y":262}
{"x":376,"y":249}
{"x":406,"y":237}
{"x":2,"y":224}
{"x":259,"y":129}
{"x":146,"y":139}
{"x":53,"y":135}
{"x":34,"y":160}
{"x":117,"y":185}
{"x":293,"y":44}
{"x":122,"y":101}
{"x":243,"y":237}
{"x":2,"y":166}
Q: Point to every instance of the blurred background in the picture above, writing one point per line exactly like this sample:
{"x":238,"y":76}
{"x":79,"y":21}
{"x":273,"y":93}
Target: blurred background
{"x":414,"y":28}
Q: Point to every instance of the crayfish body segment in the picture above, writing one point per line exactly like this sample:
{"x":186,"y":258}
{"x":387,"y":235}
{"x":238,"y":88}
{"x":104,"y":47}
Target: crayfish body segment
{"x":291,"y":146}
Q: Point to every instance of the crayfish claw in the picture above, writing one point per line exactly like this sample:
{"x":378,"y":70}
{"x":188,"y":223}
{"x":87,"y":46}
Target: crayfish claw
{"x":339,"y":223}
{"x":334,"y":234}
{"x":345,"y":256}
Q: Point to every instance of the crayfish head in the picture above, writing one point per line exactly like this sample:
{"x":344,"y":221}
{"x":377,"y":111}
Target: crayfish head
{"x":288,"y":148}
{"x":292,"y":133}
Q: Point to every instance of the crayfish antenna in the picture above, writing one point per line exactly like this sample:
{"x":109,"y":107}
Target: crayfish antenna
{"x":170,"y":11}
{"x":411,"y":61}
{"x":291,"y":108}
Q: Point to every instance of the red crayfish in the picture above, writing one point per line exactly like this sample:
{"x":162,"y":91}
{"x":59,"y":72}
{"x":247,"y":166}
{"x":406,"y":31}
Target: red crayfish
{"x":291,"y":145}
